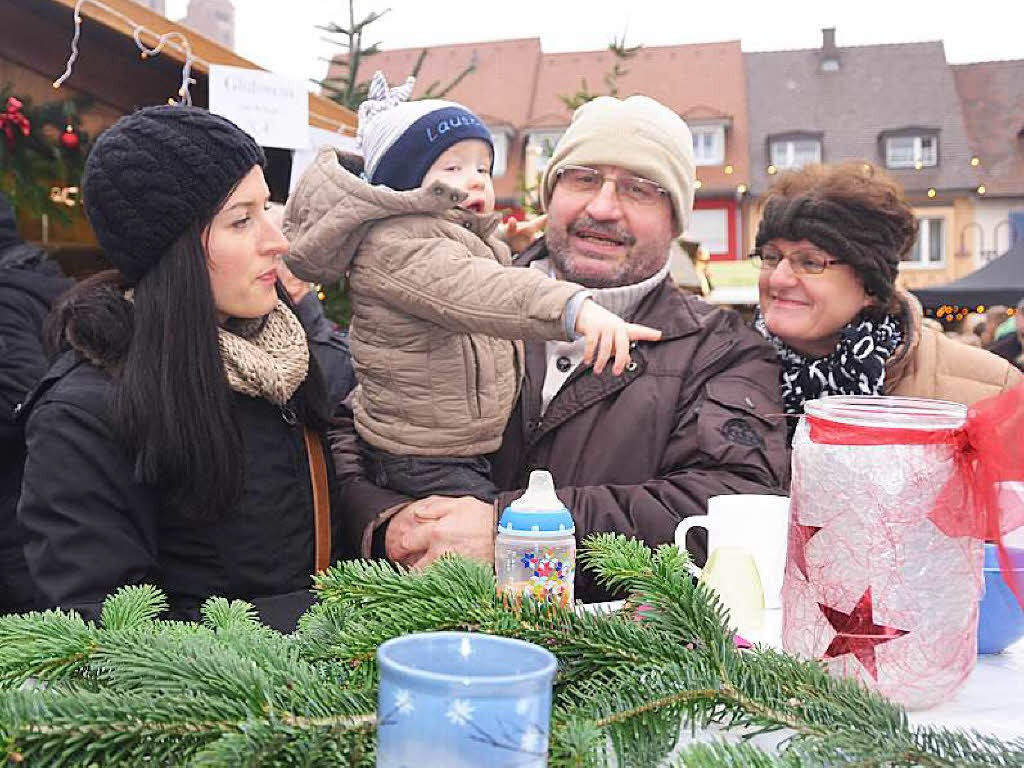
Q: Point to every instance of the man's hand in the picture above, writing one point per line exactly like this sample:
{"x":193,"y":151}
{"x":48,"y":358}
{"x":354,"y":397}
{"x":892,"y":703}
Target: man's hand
{"x":442,"y":524}
{"x":398,"y":537}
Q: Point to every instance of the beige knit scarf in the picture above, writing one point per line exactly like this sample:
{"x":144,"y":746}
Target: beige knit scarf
{"x":266,"y":358}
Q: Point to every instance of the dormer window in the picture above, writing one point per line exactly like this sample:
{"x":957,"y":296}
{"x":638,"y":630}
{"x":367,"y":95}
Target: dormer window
{"x":795,"y":150}
{"x":911,"y":147}
{"x":501,"y":137}
{"x":909,"y":151}
{"x":540,"y":146}
{"x":708,"y":143}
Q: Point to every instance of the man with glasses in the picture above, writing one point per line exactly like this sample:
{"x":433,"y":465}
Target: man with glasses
{"x":695,"y":414}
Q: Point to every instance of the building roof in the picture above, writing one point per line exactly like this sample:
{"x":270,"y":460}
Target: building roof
{"x":700,"y":82}
{"x":682,"y":77}
{"x":992,"y":96}
{"x":517,"y":85}
{"x":877,"y":88}
{"x":499,"y":89}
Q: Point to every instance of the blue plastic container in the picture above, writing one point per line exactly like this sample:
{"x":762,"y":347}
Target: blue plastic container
{"x":460,"y":699}
{"x":1000,"y":618}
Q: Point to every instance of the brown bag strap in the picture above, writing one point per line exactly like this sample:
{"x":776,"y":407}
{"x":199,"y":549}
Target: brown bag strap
{"x":321,"y":501}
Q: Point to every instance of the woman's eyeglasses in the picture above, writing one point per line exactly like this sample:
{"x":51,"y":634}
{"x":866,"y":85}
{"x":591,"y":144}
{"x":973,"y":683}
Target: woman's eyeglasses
{"x":588,"y":181}
{"x":801,"y":262}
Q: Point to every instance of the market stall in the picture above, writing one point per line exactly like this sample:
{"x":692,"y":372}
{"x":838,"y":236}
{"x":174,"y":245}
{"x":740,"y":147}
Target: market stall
{"x":1001,"y":281}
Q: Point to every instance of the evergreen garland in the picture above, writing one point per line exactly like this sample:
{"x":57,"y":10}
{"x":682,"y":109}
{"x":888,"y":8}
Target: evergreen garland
{"x":136,"y":690}
{"x":31,"y":164}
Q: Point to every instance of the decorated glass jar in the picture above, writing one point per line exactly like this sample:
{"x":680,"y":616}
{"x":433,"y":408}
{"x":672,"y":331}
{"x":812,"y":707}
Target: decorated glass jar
{"x":535,"y":549}
{"x":881,"y":583}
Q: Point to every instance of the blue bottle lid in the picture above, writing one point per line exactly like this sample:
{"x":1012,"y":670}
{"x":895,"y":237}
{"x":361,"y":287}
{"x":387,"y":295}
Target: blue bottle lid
{"x":538,"y":512}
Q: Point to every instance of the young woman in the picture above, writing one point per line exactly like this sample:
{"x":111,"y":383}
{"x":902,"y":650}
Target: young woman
{"x":168,"y":443}
{"x":829,"y":245}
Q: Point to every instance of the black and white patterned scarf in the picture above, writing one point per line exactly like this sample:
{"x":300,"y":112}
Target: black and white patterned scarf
{"x":855,"y":367}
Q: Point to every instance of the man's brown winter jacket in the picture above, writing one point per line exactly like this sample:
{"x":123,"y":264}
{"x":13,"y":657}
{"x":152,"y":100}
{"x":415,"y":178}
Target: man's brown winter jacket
{"x":695,"y":415}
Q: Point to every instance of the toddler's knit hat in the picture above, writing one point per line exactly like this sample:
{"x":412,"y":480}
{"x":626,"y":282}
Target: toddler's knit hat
{"x":154,"y":172}
{"x":401,"y":139}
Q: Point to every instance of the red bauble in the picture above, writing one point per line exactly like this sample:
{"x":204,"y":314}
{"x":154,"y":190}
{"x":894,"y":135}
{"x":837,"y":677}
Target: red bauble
{"x":70,"y":140}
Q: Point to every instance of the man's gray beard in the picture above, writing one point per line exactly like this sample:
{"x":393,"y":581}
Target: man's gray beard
{"x":641,"y":264}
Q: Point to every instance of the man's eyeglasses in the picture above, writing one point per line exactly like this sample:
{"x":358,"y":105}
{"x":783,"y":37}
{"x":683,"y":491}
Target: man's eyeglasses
{"x":583,"y":180}
{"x":801,"y":262}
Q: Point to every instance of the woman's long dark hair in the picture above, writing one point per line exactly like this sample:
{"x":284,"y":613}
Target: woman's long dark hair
{"x":171,"y":407}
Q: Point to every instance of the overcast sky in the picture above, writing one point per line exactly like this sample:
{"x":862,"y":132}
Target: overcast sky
{"x":280,"y":34}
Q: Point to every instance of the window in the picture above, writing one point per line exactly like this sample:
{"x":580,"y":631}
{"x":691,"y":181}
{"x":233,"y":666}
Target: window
{"x":540,"y":146}
{"x":500,"y":138}
{"x":795,"y":153}
{"x":930,"y":247}
{"x":710,"y":228}
{"x":708,"y":144}
{"x":908,"y":151}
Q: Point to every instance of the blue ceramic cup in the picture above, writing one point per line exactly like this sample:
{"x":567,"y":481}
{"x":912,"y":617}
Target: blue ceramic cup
{"x":462,"y":699}
{"x":1000,"y":618}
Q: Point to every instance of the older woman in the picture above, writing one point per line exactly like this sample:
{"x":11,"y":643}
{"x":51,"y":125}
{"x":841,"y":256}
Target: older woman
{"x":829,"y":246}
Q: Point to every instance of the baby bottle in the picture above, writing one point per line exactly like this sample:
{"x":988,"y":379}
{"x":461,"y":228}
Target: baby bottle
{"x":535,"y":550}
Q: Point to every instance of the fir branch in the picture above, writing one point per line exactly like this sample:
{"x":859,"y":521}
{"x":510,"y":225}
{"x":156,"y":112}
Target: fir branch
{"x":276,"y":743}
{"x":725,"y":755}
{"x":132,"y":606}
{"x":49,"y":646}
{"x":641,"y":709}
{"x":219,"y":613}
{"x":930,"y":747}
{"x":230,"y":691}
{"x":83,"y":729}
{"x":766,"y":691}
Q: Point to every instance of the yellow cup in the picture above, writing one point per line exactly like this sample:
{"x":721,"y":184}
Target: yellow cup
{"x":732,"y":573}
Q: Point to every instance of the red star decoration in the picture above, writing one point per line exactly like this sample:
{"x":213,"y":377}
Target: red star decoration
{"x":857,"y":633}
{"x":799,"y":535}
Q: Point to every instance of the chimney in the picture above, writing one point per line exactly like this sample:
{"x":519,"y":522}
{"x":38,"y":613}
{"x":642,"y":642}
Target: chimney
{"x":829,"y":52}
{"x":828,"y":40}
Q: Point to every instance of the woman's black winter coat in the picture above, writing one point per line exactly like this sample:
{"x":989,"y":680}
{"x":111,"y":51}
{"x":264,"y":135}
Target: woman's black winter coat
{"x":89,"y":527}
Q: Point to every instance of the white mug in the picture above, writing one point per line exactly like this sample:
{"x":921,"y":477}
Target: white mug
{"x":755,"y":523}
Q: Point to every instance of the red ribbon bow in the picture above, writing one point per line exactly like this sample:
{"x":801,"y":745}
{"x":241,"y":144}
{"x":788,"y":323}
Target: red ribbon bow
{"x":12,"y":119}
{"x":987,"y":450}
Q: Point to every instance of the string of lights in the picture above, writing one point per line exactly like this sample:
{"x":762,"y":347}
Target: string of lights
{"x":173,"y":39}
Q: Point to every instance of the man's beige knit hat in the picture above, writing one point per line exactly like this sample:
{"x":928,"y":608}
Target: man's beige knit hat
{"x":638,"y":134}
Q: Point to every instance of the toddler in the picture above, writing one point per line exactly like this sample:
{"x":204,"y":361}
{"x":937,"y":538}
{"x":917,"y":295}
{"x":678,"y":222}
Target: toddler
{"x":438,"y":313}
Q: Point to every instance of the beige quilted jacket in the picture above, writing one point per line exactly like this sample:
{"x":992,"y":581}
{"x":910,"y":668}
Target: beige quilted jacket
{"x":435,"y":307}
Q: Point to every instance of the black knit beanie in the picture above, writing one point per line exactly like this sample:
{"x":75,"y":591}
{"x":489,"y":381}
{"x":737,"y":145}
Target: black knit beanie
{"x":154,"y":172}
{"x":871,"y":241}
